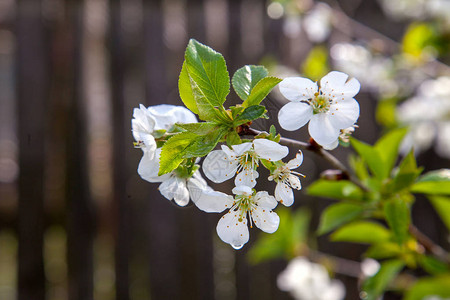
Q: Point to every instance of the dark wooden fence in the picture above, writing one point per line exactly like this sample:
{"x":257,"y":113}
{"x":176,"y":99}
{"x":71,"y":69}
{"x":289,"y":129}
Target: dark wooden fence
{"x":85,"y":224}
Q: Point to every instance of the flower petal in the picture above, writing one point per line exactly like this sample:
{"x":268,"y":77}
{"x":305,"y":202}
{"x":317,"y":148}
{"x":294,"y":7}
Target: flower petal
{"x":167,"y":115}
{"x":284,"y":194}
{"x":265,"y":219}
{"x":264,"y":200}
{"x":175,"y":187}
{"x":233,"y":231}
{"x":270,"y":150}
{"x":335,"y":84}
{"x":240,"y":149}
{"x":242,"y":190}
{"x":218,"y":167}
{"x":297,"y":88}
{"x":148,"y":168}
{"x":331,"y":146}
{"x":295,"y":162}
{"x":322,"y":130}
{"x":247,"y":177}
{"x":294,"y":115}
{"x":207,"y":199}
{"x":344,"y":113}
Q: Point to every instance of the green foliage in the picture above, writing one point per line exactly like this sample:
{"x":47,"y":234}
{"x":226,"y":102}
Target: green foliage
{"x":398,"y":217}
{"x":416,"y":39}
{"x":338,"y":214}
{"x":364,"y":232}
{"x":261,"y":90}
{"x":387,"y":147}
{"x":442,"y":206}
{"x":287,"y":242}
{"x":385,"y":113}
{"x":249,"y":114}
{"x":377,"y":284}
{"x":432,"y":265}
{"x":316,"y":63}
{"x":245,"y":79}
{"x":437,"y":286}
{"x":433,"y":183}
{"x":372,"y":157}
{"x":342,"y":189}
{"x":407,"y":173}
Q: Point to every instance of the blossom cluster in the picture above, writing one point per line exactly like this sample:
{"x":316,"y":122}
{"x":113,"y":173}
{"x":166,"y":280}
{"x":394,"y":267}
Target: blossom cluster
{"x":329,"y":107}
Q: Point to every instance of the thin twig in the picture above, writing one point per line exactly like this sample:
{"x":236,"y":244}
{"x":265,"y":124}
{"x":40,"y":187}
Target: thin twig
{"x":428,"y":244}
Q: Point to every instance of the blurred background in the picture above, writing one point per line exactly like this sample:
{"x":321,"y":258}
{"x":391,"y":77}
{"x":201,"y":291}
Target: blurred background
{"x":77,"y":221}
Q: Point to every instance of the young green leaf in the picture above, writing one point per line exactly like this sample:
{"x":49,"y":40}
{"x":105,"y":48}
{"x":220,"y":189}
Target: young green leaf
{"x":245,"y":79}
{"x":388,"y":145}
{"x":377,"y":284}
{"x":260,"y":91}
{"x":384,"y":250}
{"x":442,"y":206}
{"x":432,"y":286}
{"x":198,"y":128}
{"x":361,"y":232}
{"x":338,"y":214}
{"x":433,"y":265}
{"x":407,"y":173}
{"x":186,"y":91}
{"x":398,"y":217}
{"x":372,"y":157}
{"x":173,"y":151}
{"x":433,"y":183}
{"x":341,"y":189}
{"x":249,"y":114}
{"x":233,"y":138}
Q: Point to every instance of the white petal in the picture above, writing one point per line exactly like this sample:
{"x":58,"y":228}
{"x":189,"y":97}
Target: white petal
{"x":241,"y":148}
{"x":218,"y":167}
{"x":297,"y":88}
{"x":242,"y":190}
{"x":331,"y":146}
{"x":270,"y":150}
{"x":148,"y":168}
{"x":265,"y":219}
{"x":344,"y":113}
{"x":168,"y":187}
{"x":264,"y":200}
{"x":284,"y":194}
{"x":233,"y":231}
{"x":246,"y":177}
{"x":207,"y":199}
{"x":181,"y":196}
{"x":167,"y":115}
{"x":295,"y":162}
{"x":294,"y":115}
{"x":336,"y":84}
{"x":322,"y":130}
{"x":294,"y":182}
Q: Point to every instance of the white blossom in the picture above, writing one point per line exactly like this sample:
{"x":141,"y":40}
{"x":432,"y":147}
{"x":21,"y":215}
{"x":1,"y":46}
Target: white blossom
{"x":287,"y":180}
{"x":173,"y":186}
{"x":246,"y":207}
{"x":317,"y":22}
{"x":309,"y":281}
{"x":344,"y":136}
{"x":328,"y":108}
{"x":143,"y":125}
{"x":243,"y":159}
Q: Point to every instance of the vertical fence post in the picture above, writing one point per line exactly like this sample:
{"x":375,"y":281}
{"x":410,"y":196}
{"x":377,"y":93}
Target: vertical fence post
{"x":32,"y":91}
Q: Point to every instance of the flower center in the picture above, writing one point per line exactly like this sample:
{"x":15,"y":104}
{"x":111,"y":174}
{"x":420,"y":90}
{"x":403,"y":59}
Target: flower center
{"x":248,"y":160}
{"x":320,"y":103}
{"x":244,"y":204}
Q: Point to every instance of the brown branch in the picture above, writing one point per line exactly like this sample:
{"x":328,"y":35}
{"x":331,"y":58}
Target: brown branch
{"x":428,"y":244}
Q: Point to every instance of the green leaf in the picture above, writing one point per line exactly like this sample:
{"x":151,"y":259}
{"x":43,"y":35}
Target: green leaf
{"x":442,"y":207}
{"x":206,"y":71}
{"x":398,"y":217}
{"x":173,"y":151}
{"x":407,"y":173}
{"x":388,"y":145}
{"x":245,"y":79}
{"x":201,"y":128}
{"x":233,"y":138}
{"x":337,"y":214}
{"x":316,"y":63}
{"x":377,"y":284}
{"x":361,"y":232}
{"x":186,"y":91}
{"x":203,"y":144}
{"x":372,"y":157}
{"x":249,"y":114}
{"x":341,"y":189}
{"x":433,"y":183}
{"x":385,"y":112}
{"x":384,"y":250}
{"x":431,"y":286}
{"x":433,"y":265}
{"x":260,"y":91}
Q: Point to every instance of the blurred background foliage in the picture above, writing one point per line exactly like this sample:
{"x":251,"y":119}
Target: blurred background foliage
{"x":77,"y":222}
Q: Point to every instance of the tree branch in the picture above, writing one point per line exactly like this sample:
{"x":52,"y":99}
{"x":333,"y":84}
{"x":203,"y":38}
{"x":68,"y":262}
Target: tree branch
{"x":428,"y":244}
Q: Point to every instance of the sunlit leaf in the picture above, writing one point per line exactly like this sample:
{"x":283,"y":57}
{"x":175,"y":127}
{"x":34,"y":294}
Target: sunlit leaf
{"x":364,"y":232}
{"x":245,"y":79}
{"x":341,"y":189}
{"x":372,"y":157}
{"x":260,"y":91}
{"x":398,"y":217}
{"x":432,"y":286}
{"x":433,"y":183}
{"x":388,"y":145}
{"x":338,"y":214}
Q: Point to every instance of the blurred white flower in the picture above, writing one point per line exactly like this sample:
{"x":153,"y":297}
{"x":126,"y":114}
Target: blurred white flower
{"x":317,"y":22}
{"x":428,"y":116}
{"x":287,"y":180}
{"x":309,"y":281}
{"x":369,"y":267}
{"x":401,"y":9}
{"x":243,"y":159}
{"x":328,"y":108}
{"x":232,"y":227}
